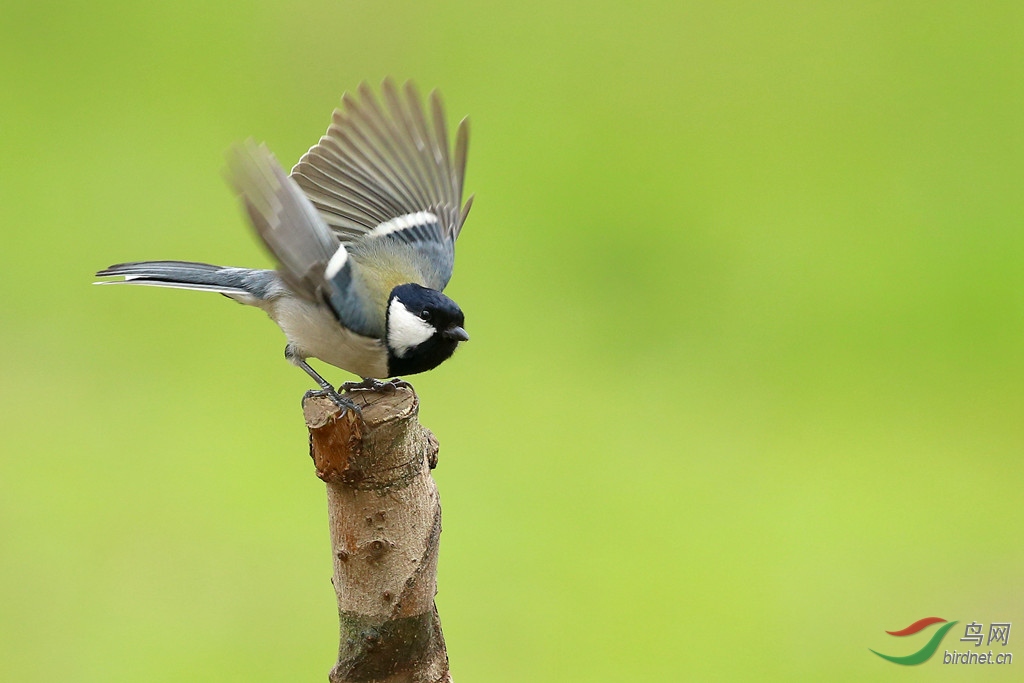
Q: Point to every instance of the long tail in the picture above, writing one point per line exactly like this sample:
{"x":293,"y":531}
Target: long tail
{"x":242,"y":284}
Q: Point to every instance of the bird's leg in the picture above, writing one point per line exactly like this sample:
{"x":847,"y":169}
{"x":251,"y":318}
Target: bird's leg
{"x":325,"y":386}
{"x":327,"y":389}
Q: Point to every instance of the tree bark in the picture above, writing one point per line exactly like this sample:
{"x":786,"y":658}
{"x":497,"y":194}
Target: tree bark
{"x":385,"y":519}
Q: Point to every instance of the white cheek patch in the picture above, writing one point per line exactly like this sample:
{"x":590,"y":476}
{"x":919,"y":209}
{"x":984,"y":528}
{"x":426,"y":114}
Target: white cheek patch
{"x":406,"y":331}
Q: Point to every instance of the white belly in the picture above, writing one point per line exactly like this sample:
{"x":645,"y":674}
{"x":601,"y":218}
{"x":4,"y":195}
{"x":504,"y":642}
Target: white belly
{"x":314,"y":333}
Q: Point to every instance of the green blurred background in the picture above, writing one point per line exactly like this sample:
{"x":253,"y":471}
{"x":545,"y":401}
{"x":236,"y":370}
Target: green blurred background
{"x":746,"y":381}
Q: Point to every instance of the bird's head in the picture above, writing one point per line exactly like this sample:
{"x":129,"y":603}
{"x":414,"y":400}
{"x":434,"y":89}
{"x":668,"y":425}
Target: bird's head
{"x":424,"y":327}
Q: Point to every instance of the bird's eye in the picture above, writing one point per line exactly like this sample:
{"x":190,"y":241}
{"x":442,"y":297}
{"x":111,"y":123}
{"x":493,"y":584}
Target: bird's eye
{"x":425,"y":315}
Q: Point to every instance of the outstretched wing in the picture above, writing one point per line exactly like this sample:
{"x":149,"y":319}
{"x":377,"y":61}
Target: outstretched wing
{"x":313,"y":262}
{"x":385,"y":172}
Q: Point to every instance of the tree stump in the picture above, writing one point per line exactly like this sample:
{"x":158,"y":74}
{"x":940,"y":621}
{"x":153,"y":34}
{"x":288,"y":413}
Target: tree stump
{"x":385,"y":523}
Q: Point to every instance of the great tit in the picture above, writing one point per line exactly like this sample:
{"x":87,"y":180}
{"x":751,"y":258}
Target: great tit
{"x":363,"y":230}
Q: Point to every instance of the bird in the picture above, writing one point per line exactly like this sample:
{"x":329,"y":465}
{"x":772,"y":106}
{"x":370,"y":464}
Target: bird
{"x":363,"y":230}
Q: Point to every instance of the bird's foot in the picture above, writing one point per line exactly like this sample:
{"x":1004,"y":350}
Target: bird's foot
{"x":342,"y":402}
{"x":372,"y":384}
{"x":368,"y":383}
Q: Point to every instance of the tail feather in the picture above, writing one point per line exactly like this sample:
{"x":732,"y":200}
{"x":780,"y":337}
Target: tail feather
{"x":243,"y":284}
{"x":161,"y":268}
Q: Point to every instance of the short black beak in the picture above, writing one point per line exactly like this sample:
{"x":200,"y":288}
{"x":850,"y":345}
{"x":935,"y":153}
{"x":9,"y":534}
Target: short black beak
{"x":457,"y":333}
